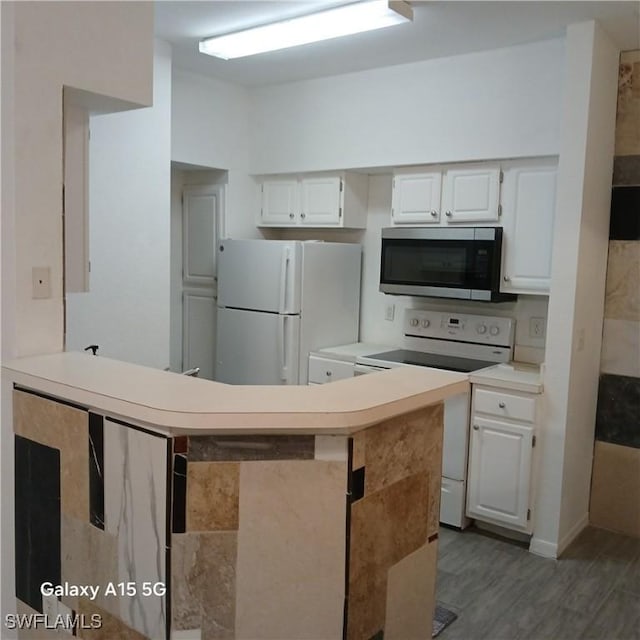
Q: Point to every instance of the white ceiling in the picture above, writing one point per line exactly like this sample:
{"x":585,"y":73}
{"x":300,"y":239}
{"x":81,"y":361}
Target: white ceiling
{"x":439,"y":29}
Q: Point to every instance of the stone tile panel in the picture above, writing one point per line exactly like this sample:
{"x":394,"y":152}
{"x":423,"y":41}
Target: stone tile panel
{"x":212,"y":496}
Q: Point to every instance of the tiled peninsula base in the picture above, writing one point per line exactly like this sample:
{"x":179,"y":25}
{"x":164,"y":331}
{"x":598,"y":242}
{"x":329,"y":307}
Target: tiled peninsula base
{"x":267,"y":536}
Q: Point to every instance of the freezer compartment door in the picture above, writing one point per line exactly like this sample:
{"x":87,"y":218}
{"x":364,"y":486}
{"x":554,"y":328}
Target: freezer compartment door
{"x":263,"y":275}
{"x":256,"y":348}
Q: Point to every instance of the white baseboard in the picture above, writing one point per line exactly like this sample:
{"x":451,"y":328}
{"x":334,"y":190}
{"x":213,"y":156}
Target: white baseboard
{"x":543,"y":548}
{"x":573,"y":533}
{"x":551,"y":549}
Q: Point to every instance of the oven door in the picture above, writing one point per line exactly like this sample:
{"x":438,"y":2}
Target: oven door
{"x":462,"y":262}
{"x":362,"y":369}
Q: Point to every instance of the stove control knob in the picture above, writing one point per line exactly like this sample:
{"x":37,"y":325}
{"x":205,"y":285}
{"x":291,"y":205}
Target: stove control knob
{"x":494,"y":331}
{"x":426,"y":323}
{"x":481,"y":329}
{"x":414,"y":322}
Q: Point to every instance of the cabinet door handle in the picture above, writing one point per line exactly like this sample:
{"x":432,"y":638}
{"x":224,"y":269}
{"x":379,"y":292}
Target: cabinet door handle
{"x":476,"y":427}
{"x":502,"y":405}
{"x":328,"y":373}
{"x":291,"y":215}
{"x":448,"y":214}
{"x":434,"y":213}
{"x":506,"y":278}
{"x":302,"y":215}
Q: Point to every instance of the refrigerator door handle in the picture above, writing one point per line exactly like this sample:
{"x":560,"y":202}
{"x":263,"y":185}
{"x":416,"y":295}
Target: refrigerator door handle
{"x":284,"y":278}
{"x":282,"y":349}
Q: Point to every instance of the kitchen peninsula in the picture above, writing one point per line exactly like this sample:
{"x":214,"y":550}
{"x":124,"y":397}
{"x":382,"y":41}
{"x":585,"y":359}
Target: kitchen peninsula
{"x":227,"y":511}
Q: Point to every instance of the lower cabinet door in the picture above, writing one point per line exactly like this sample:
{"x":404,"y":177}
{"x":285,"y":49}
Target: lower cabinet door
{"x":499,"y":472}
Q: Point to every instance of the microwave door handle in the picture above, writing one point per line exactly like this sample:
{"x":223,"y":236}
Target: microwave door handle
{"x":281,"y":345}
{"x":284,"y":278}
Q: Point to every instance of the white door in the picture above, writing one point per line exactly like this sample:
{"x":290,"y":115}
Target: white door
{"x":201,"y":219}
{"x":529,"y":198}
{"x":471,"y":194}
{"x":279,"y":202}
{"x":321,"y":201}
{"x":263,"y":275}
{"x":499,"y":471}
{"x":256,"y":347}
{"x":416,"y":198}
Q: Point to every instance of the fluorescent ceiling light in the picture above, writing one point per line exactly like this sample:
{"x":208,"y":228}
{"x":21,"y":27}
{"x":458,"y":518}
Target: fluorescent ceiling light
{"x":334,"y":23}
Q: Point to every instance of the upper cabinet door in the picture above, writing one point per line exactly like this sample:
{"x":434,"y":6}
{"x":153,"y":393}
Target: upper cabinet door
{"x":416,"y":198}
{"x":471,"y":194}
{"x":279,"y":202}
{"x":529,"y":199}
{"x":321,"y":201}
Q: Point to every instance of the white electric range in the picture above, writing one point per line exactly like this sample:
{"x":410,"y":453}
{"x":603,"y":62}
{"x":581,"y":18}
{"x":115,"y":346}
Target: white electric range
{"x":455,"y":342}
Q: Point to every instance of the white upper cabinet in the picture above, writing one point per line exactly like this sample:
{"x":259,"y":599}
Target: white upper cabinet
{"x":465,"y":194}
{"x":471,"y":193}
{"x":528,"y":208}
{"x":416,"y":197}
{"x":279,"y":201}
{"x":336,"y":200}
{"x":321,"y":201}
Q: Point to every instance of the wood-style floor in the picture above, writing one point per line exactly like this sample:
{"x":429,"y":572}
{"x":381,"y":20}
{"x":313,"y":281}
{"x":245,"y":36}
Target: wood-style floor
{"x":500,"y":591}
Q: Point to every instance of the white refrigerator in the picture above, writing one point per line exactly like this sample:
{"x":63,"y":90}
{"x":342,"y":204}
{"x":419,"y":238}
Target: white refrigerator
{"x":277,"y":301}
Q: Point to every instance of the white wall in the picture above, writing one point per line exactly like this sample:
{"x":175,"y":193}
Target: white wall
{"x":497,"y":104}
{"x":210,"y":128}
{"x":105,"y":48}
{"x":126,"y":311}
{"x":100,"y":47}
{"x":578,"y":282}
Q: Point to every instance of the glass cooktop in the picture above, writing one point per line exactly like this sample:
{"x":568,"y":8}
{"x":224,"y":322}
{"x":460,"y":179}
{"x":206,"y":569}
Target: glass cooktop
{"x":434,"y":360}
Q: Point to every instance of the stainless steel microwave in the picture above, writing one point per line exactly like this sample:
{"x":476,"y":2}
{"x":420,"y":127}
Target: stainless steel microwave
{"x":443,"y":262}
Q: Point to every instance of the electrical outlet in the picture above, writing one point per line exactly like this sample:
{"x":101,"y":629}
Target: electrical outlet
{"x":390,"y":312}
{"x":41,"y":282}
{"x":536,"y":327}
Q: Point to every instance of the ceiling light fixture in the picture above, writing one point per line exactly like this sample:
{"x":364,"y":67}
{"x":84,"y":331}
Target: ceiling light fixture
{"x":333,"y":23}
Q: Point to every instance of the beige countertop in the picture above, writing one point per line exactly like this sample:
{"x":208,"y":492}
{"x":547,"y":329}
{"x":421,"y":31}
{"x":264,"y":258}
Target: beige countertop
{"x":350,"y":352}
{"x":514,"y":375}
{"x":183,"y":405}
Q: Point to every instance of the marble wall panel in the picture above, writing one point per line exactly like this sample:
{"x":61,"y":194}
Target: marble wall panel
{"x":96,"y":466}
{"x":37,"y":519}
{"x":622,"y":297}
{"x":135,"y":513}
{"x":111,"y":627}
{"x":628,"y":115}
{"x":410,"y":601}
{"x":212,"y":496}
{"x":398,"y":448}
{"x":624,"y":223}
{"x":291,"y":550}
{"x":615,"y":490}
{"x":621,"y":347}
{"x":89,"y":556}
{"x":386,"y":526}
{"x":618,"y":410}
{"x":626,"y":170}
{"x":39,"y":633}
{"x":64,"y":428}
{"x":236,"y":448}
{"x":203,"y":583}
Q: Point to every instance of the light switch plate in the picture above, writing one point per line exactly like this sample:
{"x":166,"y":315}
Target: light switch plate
{"x":41,"y":277}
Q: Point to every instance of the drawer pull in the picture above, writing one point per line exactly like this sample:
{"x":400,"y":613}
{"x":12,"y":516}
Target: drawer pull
{"x":328,"y":374}
{"x":476,"y":427}
{"x":502,"y":405}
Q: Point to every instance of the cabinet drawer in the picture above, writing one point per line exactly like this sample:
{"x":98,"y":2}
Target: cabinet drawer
{"x":323,"y":370}
{"x":505,"y":405}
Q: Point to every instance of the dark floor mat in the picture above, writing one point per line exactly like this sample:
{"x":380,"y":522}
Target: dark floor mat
{"x":442,"y":618}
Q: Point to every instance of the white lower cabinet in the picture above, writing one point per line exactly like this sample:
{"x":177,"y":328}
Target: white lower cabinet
{"x":501,"y":456}
{"x":323,"y":370}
